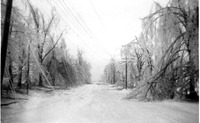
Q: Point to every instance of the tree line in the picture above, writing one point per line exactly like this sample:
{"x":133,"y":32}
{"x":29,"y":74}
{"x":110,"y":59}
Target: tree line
{"x":163,"y":61}
{"x":37,"y":55}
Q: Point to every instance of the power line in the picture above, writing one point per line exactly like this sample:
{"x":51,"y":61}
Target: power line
{"x":93,"y":7}
{"x":81,"y":38}
{"x":70,"y":18}
{"x":87,"y":30}
{"x":84,"y":27}
{"x":78,"y":22}
{"x":91,"y":34}
{"x":78,"y":34}
{"x":78,"y":27}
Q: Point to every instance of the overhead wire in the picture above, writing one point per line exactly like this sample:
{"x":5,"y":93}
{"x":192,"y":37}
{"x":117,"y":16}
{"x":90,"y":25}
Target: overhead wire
{"x":78,"y":22}
{"x":97,"y":14}
{"x":84,"y":26}
{"x":79,"y":35}
{"x":82,"y":38}
{"x":91,"y":34}
{"x":71,"y":10}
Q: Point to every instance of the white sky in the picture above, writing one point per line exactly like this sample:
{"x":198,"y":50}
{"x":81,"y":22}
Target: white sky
{"x":112,"y":22}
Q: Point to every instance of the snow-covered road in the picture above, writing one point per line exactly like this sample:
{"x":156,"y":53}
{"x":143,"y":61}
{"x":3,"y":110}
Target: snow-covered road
{"x":96,"y":103}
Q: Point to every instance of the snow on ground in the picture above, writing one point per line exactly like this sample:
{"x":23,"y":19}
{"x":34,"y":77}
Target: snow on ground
{"x":96,"y":103}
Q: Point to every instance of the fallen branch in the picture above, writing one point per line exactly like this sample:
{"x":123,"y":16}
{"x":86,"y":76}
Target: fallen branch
{"x":14,"y":98}
{"x":7,"y":104}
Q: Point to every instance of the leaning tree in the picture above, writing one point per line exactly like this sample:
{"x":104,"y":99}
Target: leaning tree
{"x":172,"y":32}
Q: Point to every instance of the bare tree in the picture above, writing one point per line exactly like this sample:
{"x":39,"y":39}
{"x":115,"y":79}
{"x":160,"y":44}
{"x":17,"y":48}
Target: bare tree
{"x":43,"y":29}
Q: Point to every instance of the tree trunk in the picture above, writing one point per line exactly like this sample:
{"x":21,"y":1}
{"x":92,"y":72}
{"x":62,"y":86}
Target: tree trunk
{"x":192,"y":87}
{"x":20,"y":77}
{"x":53,"y":80}
{"x":40,"y":80}
{"x":10,"y":72}
{"x":113,"y":74}
{"x":28,"y":68}
{"x":40,"y":74}
{"x":192,"y":95}
{"x":126,"y":84}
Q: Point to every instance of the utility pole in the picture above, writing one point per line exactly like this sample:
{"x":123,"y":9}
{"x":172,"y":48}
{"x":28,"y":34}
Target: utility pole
{"x":126,"y":65}
{"x":4,"y":40}
{"x":125,"y":52}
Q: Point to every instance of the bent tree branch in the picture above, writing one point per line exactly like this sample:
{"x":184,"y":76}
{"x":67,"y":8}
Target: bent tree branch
{"x":53,"y":46}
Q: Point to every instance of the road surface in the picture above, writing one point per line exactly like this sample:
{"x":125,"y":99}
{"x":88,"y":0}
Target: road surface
{"x":96,"y":103}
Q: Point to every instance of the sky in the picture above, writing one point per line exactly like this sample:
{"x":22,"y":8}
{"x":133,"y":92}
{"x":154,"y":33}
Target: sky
{"x":98,"y":27}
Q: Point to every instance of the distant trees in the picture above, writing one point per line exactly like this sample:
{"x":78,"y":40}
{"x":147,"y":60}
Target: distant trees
{"x":110,"y":72}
